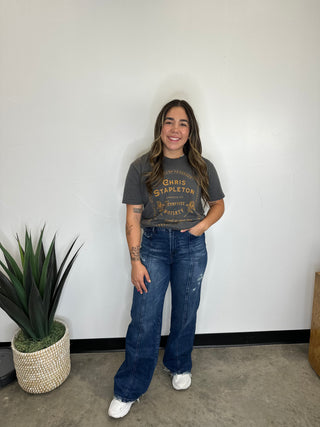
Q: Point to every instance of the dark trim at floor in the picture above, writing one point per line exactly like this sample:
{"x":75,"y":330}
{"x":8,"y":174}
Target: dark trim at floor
{"x":201,"y":340}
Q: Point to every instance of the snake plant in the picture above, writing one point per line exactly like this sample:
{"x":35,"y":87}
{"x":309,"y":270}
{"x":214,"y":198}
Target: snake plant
{"x":30,"y":295}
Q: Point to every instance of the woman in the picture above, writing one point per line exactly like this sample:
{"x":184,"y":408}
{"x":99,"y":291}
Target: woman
{"x":165,"y":191}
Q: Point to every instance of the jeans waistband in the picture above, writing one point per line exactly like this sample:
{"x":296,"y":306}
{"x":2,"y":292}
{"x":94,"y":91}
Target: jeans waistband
{"x":161,"y":230}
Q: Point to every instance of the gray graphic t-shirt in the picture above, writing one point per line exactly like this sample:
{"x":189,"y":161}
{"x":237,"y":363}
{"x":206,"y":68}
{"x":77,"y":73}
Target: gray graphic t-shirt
{"x":175,"y":202}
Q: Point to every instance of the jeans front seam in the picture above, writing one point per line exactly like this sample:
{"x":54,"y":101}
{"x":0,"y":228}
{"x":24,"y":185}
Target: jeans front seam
{"x":134,"y":367}
{"x":187,"y":292}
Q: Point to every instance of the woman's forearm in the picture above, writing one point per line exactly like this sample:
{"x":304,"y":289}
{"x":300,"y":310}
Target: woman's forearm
{"x":214,"y":214}
{"x":133,"y":231}
{"x":139,"y":272}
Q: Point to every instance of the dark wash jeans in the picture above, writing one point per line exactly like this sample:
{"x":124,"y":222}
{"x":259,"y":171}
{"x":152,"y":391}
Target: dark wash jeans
{"x":178,"y":258}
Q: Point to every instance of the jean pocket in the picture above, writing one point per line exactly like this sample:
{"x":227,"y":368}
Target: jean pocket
{"x":193,"y":235}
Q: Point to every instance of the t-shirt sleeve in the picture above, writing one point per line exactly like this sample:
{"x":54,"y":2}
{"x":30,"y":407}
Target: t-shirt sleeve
{"x":132,"y":194}
{"x":215,"y":190}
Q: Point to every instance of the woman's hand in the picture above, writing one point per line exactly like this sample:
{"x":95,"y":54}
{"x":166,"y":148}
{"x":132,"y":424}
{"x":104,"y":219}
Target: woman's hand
{"x":138,"y":274}
{"x":197,"y":230}
{"x":214,"y":213}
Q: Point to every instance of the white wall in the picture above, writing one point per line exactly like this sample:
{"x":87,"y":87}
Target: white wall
{"x":81,"y":85}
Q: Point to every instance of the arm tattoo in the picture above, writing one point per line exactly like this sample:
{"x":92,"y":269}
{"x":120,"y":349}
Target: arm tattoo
{"x":128,"y":229}
{"x":137,"y":210}
{"x":135,"y":253}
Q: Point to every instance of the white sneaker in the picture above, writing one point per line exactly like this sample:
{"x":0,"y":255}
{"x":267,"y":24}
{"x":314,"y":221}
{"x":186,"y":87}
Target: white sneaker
{"x":181,"y":381}
{"x":119,"y":409}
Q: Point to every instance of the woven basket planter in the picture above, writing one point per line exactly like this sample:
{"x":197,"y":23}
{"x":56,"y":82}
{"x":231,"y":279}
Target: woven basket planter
{"x":43,"y":370}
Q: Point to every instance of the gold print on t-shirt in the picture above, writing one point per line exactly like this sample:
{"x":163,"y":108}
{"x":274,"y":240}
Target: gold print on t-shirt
{"x":173,"y":186}
{"x":160,"y":206}
{"x":191,"y":207}
{"x":175,"y":198}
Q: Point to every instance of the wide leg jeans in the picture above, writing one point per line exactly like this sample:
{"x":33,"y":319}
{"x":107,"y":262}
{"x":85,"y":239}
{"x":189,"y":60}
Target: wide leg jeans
{"x":178,"y":258}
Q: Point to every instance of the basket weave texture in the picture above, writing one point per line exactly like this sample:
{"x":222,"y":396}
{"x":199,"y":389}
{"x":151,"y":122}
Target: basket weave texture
{"x":44,"y":370}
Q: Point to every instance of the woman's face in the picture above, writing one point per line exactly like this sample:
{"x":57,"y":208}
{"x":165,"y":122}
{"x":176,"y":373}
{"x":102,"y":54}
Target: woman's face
{"x":175,"y":132}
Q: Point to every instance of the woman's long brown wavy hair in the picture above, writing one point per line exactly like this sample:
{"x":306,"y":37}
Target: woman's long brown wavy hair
{"x":192,"y":149}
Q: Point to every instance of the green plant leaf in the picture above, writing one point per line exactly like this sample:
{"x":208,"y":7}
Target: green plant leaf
{"x":18,"y":287}
{"x":7,"y":289}
{"x":32,"y":301}
{"x":27,"y":276}
{"x":65,"y":259}
{"x":50,"y":284}
{"x":12,"y":265}
{"x":59,"y":287}
{"x":40,"y":254}
{"x":37,"y":317}
{"x":27,"y":242}
{"x":17,"y":315}
{"x":29,"y":254}
{"x":21,"y":251}
{"x":50,"y":258}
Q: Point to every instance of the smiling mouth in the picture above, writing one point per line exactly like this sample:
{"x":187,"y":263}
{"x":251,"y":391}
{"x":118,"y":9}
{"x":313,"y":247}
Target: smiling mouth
{"x":173,"y":139}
